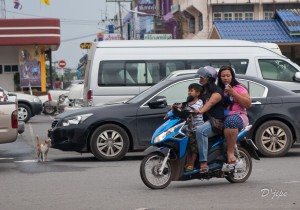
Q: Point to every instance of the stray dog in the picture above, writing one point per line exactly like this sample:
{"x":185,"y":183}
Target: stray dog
{"x":42,"y":149}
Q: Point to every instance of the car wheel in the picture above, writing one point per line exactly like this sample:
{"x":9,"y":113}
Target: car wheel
{"x":109,"y":142}
{"x":24,"y":112}
{"x":48,"y":109}
{"x":273,"y":139}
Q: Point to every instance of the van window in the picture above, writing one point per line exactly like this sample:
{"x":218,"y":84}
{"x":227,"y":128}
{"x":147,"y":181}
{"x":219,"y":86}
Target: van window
{"x":145,"y":73}
{"x":275,"y":69}
{"x":239,"y":65}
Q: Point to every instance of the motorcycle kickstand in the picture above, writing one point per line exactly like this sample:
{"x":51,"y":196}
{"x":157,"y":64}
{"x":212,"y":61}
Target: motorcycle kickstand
{"x":160,"y":171}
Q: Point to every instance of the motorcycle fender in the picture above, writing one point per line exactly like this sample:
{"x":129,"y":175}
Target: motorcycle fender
{"x":163,"y":150}
{"x":248,"y":145}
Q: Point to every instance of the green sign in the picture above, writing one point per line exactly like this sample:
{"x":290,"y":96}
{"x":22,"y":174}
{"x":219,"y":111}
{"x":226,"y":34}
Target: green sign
{"x":157,"y":36}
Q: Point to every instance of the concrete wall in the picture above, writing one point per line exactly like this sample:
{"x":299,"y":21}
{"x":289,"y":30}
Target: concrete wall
{"x":8,"y":56}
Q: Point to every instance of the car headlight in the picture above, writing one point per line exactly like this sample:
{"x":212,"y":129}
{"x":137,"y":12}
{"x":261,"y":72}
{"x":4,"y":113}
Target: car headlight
{"x":36,"y":99}
{"x":75,"y":120}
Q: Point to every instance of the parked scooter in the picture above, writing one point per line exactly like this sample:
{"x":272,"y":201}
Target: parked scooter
{"x":166,"y":158}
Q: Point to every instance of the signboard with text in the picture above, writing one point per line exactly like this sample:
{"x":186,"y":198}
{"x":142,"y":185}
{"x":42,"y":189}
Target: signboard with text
{"x":147,"y":8}
{"x":157,"y":36}
{"x":112,"y":37}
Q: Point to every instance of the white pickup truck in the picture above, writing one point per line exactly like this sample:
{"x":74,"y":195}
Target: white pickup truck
{"x":8,"y":119}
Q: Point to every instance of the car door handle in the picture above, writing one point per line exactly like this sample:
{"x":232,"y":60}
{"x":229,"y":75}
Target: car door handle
{"x":256,"y":102}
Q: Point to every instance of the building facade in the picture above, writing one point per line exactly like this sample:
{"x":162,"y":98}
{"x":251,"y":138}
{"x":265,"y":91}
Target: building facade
{"x":193,"y":19}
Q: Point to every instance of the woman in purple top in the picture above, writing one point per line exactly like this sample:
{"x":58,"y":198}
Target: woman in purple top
{"x":236,"y":102}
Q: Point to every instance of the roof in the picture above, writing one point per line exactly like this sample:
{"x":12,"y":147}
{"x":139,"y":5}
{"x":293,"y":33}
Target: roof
{"x":284,"y":28}
{"x":290,"y":19}
{"x":173,"y":43}
{"x":35,"y":31}
{"x":254,"y":30}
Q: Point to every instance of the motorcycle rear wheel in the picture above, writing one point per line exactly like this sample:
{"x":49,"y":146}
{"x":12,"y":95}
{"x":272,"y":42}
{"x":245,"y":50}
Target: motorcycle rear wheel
{"x":149,"y":171}
{"x":240,"y":177}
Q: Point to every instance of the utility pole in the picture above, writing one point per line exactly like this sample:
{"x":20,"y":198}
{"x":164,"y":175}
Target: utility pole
{"x":3,"y":10}
{"x":121,"y":24}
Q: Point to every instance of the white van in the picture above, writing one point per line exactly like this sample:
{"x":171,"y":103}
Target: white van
{"x":117,"y":70}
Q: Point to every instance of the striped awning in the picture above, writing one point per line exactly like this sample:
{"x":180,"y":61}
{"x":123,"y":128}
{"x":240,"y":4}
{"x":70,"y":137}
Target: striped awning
{"x":37,"y":31}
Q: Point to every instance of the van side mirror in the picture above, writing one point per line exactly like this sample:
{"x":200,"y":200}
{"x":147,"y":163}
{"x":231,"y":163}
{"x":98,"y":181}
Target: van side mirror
{"x":158,"y":102}
{"x":297,"y":76}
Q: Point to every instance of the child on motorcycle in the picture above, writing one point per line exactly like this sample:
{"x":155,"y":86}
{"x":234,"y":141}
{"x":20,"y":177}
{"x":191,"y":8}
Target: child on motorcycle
{"x":193,"y":120}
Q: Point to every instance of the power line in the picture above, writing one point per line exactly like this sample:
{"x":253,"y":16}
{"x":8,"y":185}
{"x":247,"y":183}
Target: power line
{"x":79,"y":37}
{"x":67,"y":20}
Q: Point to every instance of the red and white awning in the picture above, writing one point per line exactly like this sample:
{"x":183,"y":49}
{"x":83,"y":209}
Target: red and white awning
{"x":38,"y":31}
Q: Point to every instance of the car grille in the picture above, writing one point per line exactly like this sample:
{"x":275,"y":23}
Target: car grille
{"x":54,"y":123}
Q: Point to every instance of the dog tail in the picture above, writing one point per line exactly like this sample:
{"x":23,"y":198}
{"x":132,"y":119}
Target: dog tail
{"x":37,"y":140}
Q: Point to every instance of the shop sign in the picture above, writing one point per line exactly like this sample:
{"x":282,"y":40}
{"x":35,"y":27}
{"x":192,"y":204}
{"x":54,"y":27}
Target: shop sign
{"x":157,"y":36}
{"x":108,"y":37}
{"x":147,"y":8}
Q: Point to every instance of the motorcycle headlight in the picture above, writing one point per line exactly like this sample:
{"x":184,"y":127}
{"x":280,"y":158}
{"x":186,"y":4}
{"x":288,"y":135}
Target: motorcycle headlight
{"x":163,"y":135}
{"x":75,"y":120}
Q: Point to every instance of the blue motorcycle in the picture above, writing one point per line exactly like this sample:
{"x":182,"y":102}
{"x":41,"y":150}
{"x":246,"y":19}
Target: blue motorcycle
{"x":165,"y":160}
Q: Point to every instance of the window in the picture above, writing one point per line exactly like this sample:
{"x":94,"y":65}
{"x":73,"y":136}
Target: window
{"x":11,"y":68}
{"x":248,"y":15}
{"x":132,"y":73}
{"x":217,"y":16}
{"x":238,"y":16}
{"x":177,"y":92}
{"x":255,"y":90}
{"x":277,"y":70}
{"x":145,"y":73}
{"x":239,"y":65}
{"x":268,"y":15}
{"x":228,"y":16}
{"x":0,"y":69}
{"x":191,"y":21}
{"x":200,"y":22}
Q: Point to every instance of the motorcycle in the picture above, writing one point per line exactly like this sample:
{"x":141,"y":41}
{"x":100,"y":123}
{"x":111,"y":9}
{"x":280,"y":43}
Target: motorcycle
{"x":165,"y":159}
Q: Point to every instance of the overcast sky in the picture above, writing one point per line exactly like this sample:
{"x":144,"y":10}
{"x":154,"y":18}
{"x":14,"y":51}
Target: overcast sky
{"x":80,"y":22}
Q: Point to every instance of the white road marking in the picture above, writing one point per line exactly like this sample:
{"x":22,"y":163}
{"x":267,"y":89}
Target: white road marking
{"x":26,"y":161}
{"x":291,"y":182}
{"x":31,"y":133}
{"x":6,"y":158}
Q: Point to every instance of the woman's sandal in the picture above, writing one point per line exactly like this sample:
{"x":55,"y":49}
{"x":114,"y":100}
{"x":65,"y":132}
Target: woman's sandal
{"x":232,"y":161}
{"x":204,"y":169}
{"x":189,"y":168}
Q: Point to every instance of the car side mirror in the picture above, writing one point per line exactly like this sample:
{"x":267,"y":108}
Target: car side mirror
{"x":297,"y":76}
{"x":158,"y":102}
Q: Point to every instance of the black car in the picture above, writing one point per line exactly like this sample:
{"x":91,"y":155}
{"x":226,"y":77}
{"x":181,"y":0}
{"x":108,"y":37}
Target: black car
{"x":110,"y":131}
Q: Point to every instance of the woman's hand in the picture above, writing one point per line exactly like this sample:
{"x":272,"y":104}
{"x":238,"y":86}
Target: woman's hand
{"x":229,"y":90}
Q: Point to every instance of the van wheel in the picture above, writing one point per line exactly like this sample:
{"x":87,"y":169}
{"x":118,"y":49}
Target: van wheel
{"x":109,"y":142}
{"x":24,"y":113}
{"x":273,"y":139}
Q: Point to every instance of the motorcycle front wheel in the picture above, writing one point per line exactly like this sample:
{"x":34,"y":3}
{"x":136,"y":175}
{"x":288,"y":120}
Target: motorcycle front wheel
{"x":239,"y":177}
{"x":149,"y":171}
